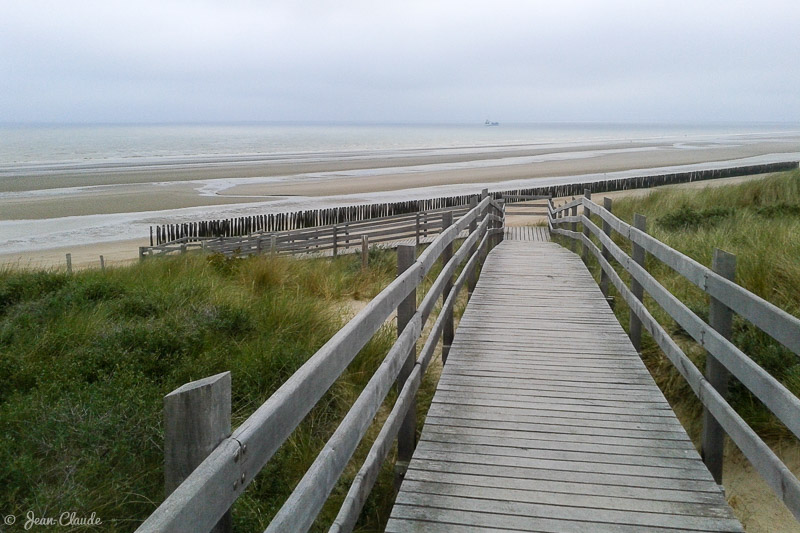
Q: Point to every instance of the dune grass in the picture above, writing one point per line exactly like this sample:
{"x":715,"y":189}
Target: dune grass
{"x":85,"y":360}
{"x":759,"y":222}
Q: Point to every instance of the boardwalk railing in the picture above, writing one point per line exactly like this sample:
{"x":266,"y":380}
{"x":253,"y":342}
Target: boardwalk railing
{"x":334,"y":238}
{"x":726,"y":298}
{"x":205,"y":496}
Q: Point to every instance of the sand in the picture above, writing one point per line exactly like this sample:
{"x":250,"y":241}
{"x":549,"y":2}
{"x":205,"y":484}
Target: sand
{"x":127,"y":251}
{"x":116,"y":253}
{"x":135,"y":196}
{"x":109,"y":190}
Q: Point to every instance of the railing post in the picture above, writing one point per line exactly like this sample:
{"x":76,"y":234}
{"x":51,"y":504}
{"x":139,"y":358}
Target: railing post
{"x":448,"y":330}
{"x":273,"y":244}
{"x":606,"y":254}
{"x":407,"y":436}
{"x":720,"y":318}
{"x":638,"y":254}
{"x":573,"y":243}
{"x":586,"y":213}
{"x":417,"y":227}
{"x":102,"y":263}
{"x":473,"y":277}
{"x":335,"y":242}
{"x":197,"y":417}
{"x":364,"y":252}
{"x":69,"y":263}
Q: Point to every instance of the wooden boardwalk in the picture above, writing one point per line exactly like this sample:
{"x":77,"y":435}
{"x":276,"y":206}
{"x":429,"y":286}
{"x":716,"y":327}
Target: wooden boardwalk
{"x":545,"y":418}
{"x":527,"y":233}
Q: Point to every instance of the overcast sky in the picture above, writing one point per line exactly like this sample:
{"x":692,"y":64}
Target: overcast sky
{"x":399,"y":61}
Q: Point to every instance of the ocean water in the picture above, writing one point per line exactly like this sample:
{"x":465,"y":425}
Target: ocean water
{"x":40,"y":153}
{"x":29,"y":146}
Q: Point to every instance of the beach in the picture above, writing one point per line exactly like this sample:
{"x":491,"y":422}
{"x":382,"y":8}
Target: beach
{"x":105,"y":207}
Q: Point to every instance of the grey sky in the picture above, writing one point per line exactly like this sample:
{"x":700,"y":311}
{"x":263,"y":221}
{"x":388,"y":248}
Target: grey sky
{"x":402,"y":61}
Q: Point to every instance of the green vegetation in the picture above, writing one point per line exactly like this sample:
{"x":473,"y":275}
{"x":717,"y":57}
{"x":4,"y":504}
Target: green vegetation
{"x":85,"y":360}
{"x":759,"y":222}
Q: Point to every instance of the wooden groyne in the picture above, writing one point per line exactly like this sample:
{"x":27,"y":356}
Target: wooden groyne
{"x":267,"y":223}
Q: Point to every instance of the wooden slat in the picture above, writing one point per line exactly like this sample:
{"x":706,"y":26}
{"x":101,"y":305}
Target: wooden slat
{"x":546,"y":419}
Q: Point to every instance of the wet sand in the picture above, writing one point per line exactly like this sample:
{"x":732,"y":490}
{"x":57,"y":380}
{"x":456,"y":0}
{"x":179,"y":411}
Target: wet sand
{"x":125,"y":252}
{"x":110,"y":190}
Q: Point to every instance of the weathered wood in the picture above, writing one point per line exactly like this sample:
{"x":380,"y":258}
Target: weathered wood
{"x":197,"y":418}
{"x":507,"y":418}
{"x":448,"y":330}
{"x":639,"y":256}
{"x":769,"y":466}
{"x":721,"y":319}
{"x":473,"y":279}
{"x":587,"y":193}
{"x":364,"y":252}
{"x":102,"y":263}
{"x":784,"y":404}
{"x":607,"y":204}
{"x":69,"y":263}
{"x":305,"y":502}
{"x":776,"y":322}
{"x":407,"y":435}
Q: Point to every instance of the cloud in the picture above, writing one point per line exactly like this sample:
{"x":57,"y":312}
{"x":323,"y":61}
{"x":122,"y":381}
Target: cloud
{"x":399,"y":61}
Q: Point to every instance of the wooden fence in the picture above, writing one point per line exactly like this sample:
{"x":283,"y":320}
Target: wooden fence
{"x":205,"y":496}
{"x":334,"y":238}
{"x":282,"y":222}
{"x":723,"y":357}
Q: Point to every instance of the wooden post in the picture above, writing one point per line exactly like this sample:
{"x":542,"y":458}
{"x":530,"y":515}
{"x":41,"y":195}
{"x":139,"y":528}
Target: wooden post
{"x":141,"y":253}
{"x":364,"y":252}
{"x":151,"y":235}
{"x":102,"y":263}
{"x":407,"y":436}
{"x":720,"y":317}
{"x":197,"y":417}
{"x":69,"y":263}
{"x":606,"y":254}
{"x":473,"y":226}
{"x":417,"y":227}
{"x":484,"y":194}
{"x":335,"y":242}
{"x":448,"y":329}
{"x":585,"y":252}
{"x":638,"y":254}
{"x":573,"y":226}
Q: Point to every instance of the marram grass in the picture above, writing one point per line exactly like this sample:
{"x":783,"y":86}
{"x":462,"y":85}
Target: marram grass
{"x":85,"y":360}
{"x":759,"y":222}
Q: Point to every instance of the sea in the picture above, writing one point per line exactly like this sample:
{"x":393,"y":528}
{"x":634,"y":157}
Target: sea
{"x":42,"y":152}
{"x":30,"y":145}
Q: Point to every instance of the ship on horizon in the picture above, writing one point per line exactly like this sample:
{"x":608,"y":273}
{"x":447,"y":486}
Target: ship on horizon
{"x":490,"y":123}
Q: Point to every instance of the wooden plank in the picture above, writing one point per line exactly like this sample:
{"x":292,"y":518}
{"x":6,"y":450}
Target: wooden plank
{"x":546,"y":419}
{"x":783,"y":482}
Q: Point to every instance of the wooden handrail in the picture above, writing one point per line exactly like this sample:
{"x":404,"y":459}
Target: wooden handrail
{"x":199,"y":502}
{"x":778,"y":324}
{"x":768,"y":317}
